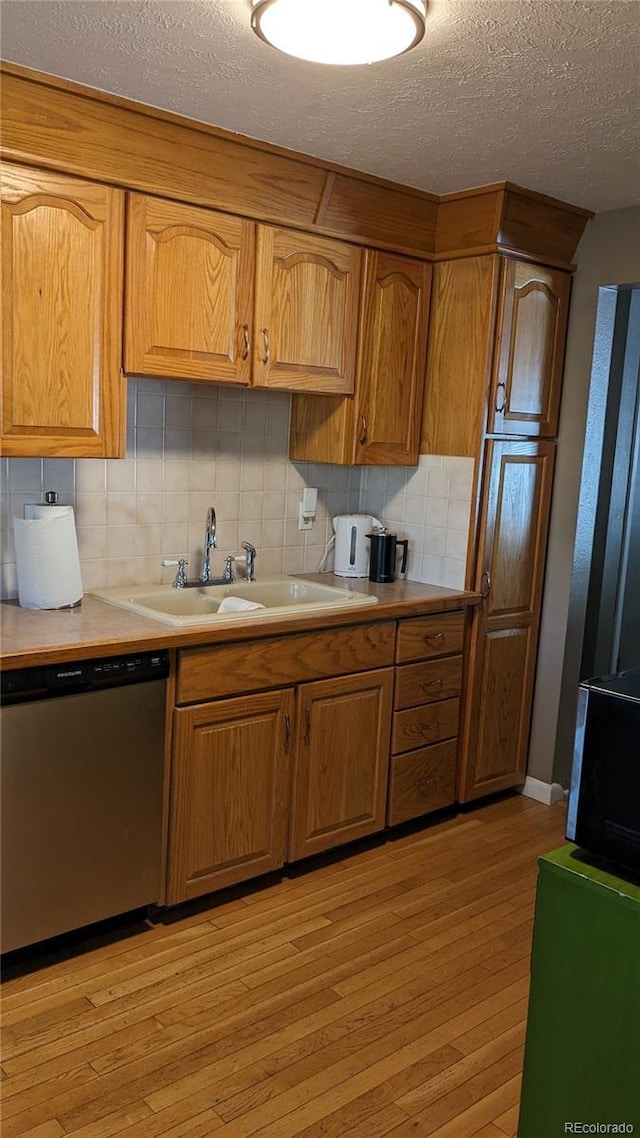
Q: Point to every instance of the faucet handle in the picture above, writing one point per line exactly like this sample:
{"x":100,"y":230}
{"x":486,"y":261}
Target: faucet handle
{"x":180,"y":579}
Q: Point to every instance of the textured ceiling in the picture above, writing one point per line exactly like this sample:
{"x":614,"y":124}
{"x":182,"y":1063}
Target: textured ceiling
{"x":545,"y":93}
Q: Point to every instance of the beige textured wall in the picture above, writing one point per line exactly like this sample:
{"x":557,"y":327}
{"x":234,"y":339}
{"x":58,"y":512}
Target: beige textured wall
{"x":609,"y":254}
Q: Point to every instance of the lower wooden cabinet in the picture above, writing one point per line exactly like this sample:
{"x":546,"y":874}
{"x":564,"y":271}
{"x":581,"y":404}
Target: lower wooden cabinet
{"x":514,"y":524}
{"x":424,"y":739}
{"x":230,"y":780}
{"x":421,"y":781}
{"x":342,"y":759}
{"x":264,"y":777}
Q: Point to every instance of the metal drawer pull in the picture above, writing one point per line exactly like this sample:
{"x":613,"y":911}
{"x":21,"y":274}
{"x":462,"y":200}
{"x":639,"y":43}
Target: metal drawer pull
{"x":363,"y":430}
{"x":287,"y":731}
{"x":307,"y":725}
{"x":431,"y":685}
{"x":425,"y":782}
{"x":266,"y":356}
{"x":246,"y":343}
{"x":434,"y":638}
{"x":502,"y":406}
{"x":429,"y":728}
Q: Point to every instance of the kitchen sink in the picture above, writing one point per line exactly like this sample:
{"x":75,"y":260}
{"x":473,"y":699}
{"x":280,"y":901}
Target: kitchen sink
{"x":278,"y":596}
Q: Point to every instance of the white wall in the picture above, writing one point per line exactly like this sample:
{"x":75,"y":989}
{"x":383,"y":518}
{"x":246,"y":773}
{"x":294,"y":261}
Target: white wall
{"x":608,"y":254}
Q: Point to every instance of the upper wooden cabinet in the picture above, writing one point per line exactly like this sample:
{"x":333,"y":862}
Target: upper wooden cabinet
{"x":381,"y":424}
{"x":306,"y":312}
{"x":189,"y":297}
{"x":190,"y":300}
{"x":496,"y":352}
{"x":63,"y":392}
{"x":532,"y":321}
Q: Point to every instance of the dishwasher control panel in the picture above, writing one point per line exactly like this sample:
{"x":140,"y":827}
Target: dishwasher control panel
{"x":83,"y":675}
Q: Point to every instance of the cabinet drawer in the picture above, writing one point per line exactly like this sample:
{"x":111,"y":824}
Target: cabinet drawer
{"x":424,"y":636}
{"x":424,"y":683}
{"x":277,"y":661}
{"x":421,"y":781}
{"x":427,"y":724}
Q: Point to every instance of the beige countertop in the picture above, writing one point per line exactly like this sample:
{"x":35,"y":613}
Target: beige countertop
{"x":95,"y":628}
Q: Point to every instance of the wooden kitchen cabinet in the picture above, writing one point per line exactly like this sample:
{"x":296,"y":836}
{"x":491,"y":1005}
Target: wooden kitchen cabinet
{"x":495,"y":354}
{"x":381,"y":424}
{"x":307,"y":292}
{"x":533,"y":307}
{"x":63,"y":391}
{"x":510,"y":573}
{"x":342,"y":758}
{"x":229,"y":787}
{"x":424,"y":739}
{"x":189,"y":298}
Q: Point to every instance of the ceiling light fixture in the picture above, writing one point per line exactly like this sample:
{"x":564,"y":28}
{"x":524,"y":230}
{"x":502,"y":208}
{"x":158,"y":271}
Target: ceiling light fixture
{"x":342,"y":32}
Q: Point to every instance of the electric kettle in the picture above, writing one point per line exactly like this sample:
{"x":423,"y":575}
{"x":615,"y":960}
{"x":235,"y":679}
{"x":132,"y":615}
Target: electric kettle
{"x":351,"y":553}
{"x":384,"y":554}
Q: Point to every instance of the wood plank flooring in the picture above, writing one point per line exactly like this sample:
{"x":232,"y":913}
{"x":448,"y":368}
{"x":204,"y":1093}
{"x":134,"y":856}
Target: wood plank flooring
{"x":381,"y":992}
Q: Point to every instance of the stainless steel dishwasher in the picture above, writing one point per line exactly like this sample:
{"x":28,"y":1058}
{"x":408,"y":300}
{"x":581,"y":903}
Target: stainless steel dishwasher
{"x":81,"y":770}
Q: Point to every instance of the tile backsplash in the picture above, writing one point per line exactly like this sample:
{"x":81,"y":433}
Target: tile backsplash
{"x":430,"y":505}
{"x":193,"y":445}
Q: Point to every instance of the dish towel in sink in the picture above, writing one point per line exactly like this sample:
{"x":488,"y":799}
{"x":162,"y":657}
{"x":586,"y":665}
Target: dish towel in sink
{"x":238,"y":604}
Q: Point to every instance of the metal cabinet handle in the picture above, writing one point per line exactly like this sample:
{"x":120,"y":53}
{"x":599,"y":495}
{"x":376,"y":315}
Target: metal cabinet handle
{"x":363,"y":430}
{"x":307,"y":725}
{"x":485,"y":586}
{"x":246,"y":343}
{"x":266,"y":352}
{"x":500,"y":409}
{"x":434,"y":638}
{"x":432,"y":685}
{"x":287,"y":731}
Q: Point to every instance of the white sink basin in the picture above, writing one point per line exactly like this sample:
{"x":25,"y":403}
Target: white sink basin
{"x":279,"y":596}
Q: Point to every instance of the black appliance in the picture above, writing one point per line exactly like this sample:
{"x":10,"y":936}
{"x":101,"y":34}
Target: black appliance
{"x":384,"y":555}
{"x":604,"y":800}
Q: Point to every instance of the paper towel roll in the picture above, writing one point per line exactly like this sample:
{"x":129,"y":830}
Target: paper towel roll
{"x":47,"y":559}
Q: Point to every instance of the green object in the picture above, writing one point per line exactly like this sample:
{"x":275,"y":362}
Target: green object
{"x":582,"y":1052}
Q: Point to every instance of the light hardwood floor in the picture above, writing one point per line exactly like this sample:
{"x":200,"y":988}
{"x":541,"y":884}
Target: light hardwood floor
{"x":380,"y":993}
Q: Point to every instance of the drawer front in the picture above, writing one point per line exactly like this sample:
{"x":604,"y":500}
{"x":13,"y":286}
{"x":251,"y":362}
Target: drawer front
{"x":421,"y":637}
{"x":278,"y":661}
{"x":421,"y":781}
{"x":427,"y":724}
{"x":424,"y":683}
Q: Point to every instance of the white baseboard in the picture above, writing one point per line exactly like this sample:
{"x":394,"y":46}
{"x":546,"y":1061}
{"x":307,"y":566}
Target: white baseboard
{"x":547,"y":792}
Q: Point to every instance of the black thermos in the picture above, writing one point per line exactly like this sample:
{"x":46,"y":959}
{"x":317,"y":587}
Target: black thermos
{"x":383,"y":557}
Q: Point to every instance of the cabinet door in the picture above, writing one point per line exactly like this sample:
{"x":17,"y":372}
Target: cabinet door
{"x":63,"y":393}
{"x":532,"y":321}
{"x":228,"y":792}
{"x":342,"y":761}
{"x":391,"y":359}
{"x":381,"y":424}
{"x":504,"y":638}
{"x":189,"y":291}
{"x":306,"y":312}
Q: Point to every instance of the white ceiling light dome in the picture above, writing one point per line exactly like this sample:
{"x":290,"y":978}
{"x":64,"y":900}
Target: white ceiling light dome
{"x":341,"y":32}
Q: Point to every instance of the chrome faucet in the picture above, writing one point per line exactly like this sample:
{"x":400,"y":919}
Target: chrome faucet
{"x":210,"y":542}
{"x":182,"y":580}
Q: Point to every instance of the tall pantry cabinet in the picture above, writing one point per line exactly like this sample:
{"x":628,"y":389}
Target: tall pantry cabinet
{"x":494,"y":375}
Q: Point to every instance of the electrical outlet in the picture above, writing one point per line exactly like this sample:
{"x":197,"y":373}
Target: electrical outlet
{"x":305,"y":521}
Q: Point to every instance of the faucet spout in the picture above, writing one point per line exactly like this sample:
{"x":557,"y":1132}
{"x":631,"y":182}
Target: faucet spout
{"x":210,"y":541}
